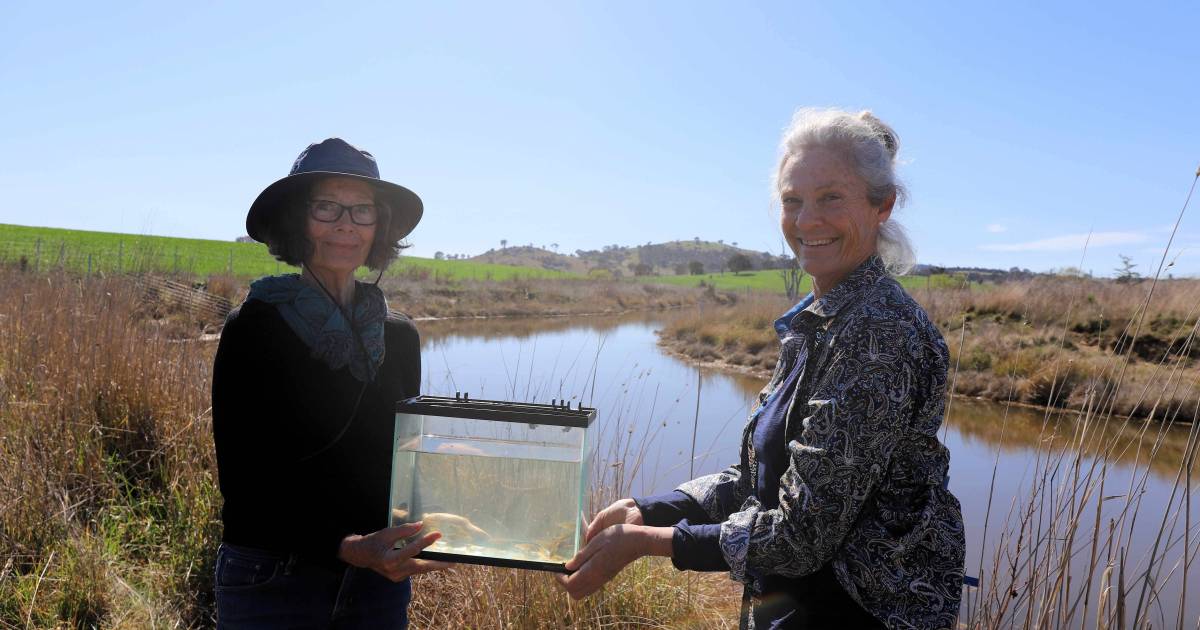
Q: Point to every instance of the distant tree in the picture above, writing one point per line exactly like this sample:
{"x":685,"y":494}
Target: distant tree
{"x":681,"y":269}
{"x":792,"y":274}
{"x":696,"y":239}
{"x":554,"y":246}
{"x":439,"y":256}
{"x":720,"y":241}
{"x":642,"y":269}
{"x":1125,"y":272}
{"x":734,"y":243}
{"x":738,"y":263}
{"x":503,"y":243}
{"x":696,"y":268}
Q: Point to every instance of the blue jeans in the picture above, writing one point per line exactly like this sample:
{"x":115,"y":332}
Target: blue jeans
{"x":265,"y":590}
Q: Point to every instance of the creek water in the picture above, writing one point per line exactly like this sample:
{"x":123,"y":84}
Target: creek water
{"x":663,"y":420}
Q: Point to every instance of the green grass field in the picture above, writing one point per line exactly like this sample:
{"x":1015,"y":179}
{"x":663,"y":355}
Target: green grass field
{"x":771,"y":280}
{"x":81,"y":251}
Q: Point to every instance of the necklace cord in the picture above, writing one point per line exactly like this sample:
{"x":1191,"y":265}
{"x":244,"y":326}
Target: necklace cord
{"x":371,"y":373}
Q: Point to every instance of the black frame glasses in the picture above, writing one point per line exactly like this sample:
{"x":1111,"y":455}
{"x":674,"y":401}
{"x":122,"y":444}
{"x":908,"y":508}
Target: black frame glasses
{"x":360,"y":214}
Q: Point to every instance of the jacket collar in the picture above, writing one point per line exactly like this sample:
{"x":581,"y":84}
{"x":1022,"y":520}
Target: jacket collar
{"x":848,"y":291}
{"x":784,"y":325}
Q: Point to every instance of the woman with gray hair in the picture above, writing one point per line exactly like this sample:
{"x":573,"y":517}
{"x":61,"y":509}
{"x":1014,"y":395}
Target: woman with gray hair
{"x":838,"y":513}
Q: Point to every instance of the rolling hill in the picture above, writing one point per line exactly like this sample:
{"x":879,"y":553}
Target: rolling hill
{"x":670,"y":258}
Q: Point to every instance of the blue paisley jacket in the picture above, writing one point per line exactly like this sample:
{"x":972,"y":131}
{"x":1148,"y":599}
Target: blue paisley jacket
{"x":865,"y":488}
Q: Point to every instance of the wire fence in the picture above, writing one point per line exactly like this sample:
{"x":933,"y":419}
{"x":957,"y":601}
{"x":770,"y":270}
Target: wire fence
{"x":195,"y":301}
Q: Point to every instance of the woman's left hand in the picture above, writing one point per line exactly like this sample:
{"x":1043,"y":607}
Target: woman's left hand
{"x":610,"y":551}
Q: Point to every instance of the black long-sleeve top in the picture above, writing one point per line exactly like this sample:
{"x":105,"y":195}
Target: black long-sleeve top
{"x":274,"y":405}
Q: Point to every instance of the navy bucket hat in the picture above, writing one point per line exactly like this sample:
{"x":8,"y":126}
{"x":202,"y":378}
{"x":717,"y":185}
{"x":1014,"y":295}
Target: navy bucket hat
{"x":334,"y":157}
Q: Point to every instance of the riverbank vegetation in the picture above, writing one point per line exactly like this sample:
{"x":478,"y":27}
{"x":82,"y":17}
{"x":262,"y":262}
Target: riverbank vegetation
{"x":421,"y":295}
{"x":1047,"y":341}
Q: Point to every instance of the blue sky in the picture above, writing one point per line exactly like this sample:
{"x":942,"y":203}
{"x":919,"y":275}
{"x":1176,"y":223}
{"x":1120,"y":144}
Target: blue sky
{"x":1023,"y":126}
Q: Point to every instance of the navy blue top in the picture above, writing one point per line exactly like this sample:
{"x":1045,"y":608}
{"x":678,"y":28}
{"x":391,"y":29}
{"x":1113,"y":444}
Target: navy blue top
{"x":695,"y":544}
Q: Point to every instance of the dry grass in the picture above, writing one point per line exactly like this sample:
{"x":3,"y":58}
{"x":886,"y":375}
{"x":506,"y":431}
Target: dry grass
{"x":1057,"y":342}
{"x":108,"y":507}
{"x":650,"y":594}
{"x":738,"y":336}
{"x":426,"y":296}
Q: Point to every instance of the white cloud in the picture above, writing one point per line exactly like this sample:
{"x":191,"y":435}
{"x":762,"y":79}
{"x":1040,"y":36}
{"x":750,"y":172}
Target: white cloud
{"x":996,"y":228}
{"x":1071,"y":242}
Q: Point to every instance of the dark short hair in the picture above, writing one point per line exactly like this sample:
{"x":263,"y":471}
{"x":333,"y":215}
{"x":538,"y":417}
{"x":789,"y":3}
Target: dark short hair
{"x":287,"y":235}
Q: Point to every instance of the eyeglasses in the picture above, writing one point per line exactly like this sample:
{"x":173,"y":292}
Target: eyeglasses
{"x":327,"y":211}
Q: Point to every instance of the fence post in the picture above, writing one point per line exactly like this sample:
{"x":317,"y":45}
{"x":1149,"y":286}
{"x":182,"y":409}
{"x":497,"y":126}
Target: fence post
{"x":120,"y":256}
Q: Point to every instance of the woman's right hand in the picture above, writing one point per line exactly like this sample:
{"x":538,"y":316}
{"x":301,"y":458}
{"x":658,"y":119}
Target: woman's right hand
{"x":622,"y":511}
{"x":376,"y":551}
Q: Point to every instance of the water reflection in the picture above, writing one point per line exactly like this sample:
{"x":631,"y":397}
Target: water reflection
{"x":1014,"y":430}
{"x":446,"y":330}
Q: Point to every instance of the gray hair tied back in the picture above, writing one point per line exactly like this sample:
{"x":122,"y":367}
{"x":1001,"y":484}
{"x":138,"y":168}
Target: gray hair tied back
{"x":872,"y":146}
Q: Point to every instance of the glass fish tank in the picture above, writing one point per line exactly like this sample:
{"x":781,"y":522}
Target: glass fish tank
{"x":503,"y":482}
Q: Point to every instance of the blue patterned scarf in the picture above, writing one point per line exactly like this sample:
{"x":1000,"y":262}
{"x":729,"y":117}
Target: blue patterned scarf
{"x":320,"y":323}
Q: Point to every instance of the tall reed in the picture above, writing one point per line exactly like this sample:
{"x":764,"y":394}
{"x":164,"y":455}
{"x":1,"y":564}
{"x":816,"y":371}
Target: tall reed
{"x":108,"y":506}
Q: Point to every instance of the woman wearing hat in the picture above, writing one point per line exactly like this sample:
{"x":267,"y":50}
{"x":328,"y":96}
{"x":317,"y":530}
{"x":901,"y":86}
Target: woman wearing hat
{"x":305,"y":380}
